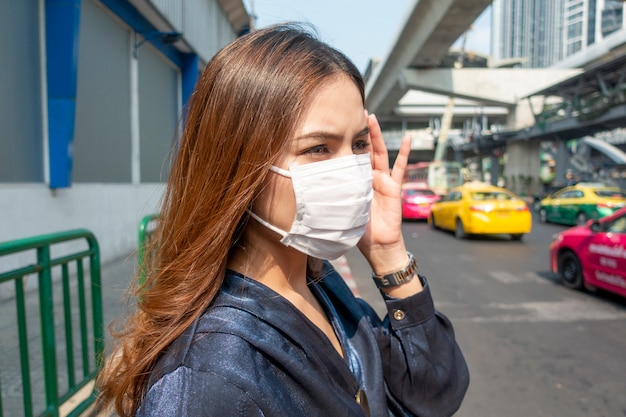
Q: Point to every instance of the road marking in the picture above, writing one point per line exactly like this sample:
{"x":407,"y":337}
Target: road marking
{"x":472,"y":278}
{"x":542,"y":311}
{"x":504,"y":277}
{"x":509,"y":278}
{"x":538,"y":279}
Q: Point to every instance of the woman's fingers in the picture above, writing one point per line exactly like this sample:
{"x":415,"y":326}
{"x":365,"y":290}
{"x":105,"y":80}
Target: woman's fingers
{"x":380,"y":156}
{"x":399,"y":165}
{"x":379,"y":150}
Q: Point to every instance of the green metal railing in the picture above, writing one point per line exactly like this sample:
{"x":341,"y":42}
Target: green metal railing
{"x":64,"y":357}
{"x":146,"y":228}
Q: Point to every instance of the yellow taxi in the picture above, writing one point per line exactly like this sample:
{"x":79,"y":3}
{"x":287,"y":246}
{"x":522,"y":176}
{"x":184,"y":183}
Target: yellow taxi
{"x":479,"y":208}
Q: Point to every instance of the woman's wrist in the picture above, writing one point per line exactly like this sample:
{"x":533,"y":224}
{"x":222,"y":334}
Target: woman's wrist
{"x":386,"y":260}
{"x":397,"y":277}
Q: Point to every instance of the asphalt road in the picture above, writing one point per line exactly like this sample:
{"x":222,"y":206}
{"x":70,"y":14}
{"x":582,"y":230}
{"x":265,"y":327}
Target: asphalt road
{"x":534,"y":348}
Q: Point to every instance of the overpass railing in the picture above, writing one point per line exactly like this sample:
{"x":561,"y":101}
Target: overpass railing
{"x":52,"y":341}
{"x":581,"y":108}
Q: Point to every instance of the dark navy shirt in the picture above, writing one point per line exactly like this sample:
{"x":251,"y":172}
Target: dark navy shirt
{"x":252,"y":353}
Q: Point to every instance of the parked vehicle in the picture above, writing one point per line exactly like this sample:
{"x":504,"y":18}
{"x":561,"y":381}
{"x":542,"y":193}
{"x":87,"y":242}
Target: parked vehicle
{"x":417,"y":199}
{"x":479,"y":208}
{"x":593,"y":255}
{"x":578,"y":203}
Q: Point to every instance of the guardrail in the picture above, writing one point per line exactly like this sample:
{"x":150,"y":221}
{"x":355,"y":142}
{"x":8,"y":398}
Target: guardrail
{"x":48,"y":366}
{"x":146,"y":228}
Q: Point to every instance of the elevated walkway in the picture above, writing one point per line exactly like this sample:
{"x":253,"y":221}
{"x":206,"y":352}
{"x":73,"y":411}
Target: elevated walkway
{"x":592,"y":101}
{"x":572,"y":104}
{"x":429,"y":31}
{"x":515,"y":109}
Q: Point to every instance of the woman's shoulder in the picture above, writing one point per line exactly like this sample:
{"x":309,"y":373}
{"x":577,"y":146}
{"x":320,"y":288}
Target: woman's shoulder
{"x":222,"y":334}
{"x":188,"y":349}
{"x":175,"y":392}
{"x":243,"y":320}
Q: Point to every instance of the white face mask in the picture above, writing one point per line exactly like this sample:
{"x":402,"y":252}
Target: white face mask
{"x":332,"y":205}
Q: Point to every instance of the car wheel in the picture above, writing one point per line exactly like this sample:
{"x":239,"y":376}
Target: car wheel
{"x":516,"y":236}
{"x":581,"y":219}
{"x":543,"y":215}
{"x":570,"y":271}
{"x":459,"y":231}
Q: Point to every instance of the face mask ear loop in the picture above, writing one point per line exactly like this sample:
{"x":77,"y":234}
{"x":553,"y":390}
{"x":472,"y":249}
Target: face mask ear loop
{"x":267,"y":224}
{"x":280,"y":171}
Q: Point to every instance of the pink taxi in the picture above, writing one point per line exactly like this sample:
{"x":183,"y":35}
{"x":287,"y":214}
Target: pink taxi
{"x":416,"y":200}
{"x":593,"y":255}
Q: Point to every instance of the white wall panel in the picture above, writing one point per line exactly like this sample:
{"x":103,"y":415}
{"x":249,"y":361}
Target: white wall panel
{"x":112,"y":212}
{"x":206,"y":27}
{"x":102,"y":150}
{"x":158,"y":114}
{"x":172,"y":10}
{"x":21,"y":157}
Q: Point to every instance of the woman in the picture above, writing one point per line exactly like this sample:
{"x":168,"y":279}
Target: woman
{"x":279,"y":167}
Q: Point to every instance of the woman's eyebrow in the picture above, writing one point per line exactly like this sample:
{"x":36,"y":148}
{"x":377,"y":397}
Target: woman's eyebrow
{"x":322,"y":134}
{"x":363,"y":132}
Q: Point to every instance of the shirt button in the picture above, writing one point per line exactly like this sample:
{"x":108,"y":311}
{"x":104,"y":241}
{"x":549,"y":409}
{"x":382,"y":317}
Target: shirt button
{"x":398,"y":315}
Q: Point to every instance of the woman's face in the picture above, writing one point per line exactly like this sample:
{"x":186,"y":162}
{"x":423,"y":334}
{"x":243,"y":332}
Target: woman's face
{"x":333,"y":125}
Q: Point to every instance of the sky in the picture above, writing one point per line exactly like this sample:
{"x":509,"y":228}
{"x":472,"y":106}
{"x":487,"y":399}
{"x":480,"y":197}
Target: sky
{"x":364,"y":32}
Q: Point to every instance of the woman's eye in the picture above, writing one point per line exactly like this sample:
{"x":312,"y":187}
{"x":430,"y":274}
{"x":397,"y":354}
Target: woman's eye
{"x":320,"y":149}
{"x":360,"y":145}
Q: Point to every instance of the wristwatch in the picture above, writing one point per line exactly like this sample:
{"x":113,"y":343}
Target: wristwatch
{"x":399,"y":277}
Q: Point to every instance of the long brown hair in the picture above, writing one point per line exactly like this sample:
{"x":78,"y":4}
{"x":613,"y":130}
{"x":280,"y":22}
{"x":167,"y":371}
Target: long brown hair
{"x":245,"y":107}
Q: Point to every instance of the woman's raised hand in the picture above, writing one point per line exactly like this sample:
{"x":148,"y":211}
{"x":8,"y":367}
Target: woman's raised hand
{"x":383,"y":244}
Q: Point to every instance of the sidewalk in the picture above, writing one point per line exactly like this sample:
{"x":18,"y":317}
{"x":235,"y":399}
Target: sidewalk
{"x":116,"y":277}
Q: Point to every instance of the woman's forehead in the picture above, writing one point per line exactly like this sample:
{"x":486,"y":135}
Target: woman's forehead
{"x":335,"y":108}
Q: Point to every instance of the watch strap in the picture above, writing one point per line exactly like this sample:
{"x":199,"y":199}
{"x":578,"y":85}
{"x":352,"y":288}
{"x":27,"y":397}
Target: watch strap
{"x":399,"y":277}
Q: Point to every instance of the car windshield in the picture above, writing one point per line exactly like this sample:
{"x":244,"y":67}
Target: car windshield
{"x":490,"y":195}
{"x":412,"y":193}
{"x":611,"y":193}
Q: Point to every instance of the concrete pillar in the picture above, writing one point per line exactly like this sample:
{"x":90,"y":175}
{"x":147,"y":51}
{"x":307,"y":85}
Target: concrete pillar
{"x":494,"y":170}
{"x":561,"y":159}
{"x":523,"y":167}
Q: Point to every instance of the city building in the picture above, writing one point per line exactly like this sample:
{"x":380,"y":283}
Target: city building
{"x":546,"y":32}
{"x":589,"y":21}
{"x":612,"y":17}
{"x":93,"y":93}
{"x":528,"y":29}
